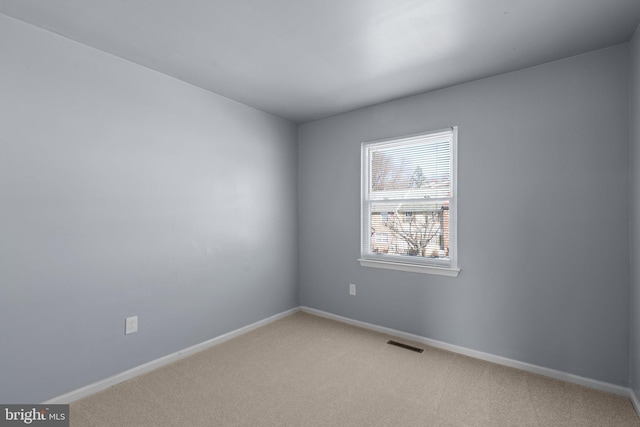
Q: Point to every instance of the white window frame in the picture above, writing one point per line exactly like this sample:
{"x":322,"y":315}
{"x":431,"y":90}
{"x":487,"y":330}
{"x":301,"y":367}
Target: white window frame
{"x":402,"y":262}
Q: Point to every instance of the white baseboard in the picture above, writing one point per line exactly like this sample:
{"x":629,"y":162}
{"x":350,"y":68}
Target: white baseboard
{"x":157,"y":363}
{"x":547,"y":372}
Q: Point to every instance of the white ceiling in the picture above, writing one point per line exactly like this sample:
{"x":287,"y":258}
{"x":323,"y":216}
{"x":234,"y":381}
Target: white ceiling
{"x":307,"y":59}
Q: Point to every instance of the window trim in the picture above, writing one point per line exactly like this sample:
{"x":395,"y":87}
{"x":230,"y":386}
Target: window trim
{"x":367,"y":259}
{"x":411,"y":268}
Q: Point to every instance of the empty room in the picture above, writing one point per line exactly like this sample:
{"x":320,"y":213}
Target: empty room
{"x":317,"y":212}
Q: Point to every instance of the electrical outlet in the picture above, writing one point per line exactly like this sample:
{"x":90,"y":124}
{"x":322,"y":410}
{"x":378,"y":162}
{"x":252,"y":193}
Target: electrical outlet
{"x":352,"y":289}
{"x":131,"y":325}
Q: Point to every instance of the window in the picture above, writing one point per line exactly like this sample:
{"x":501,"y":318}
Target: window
{"x":409,"y":197}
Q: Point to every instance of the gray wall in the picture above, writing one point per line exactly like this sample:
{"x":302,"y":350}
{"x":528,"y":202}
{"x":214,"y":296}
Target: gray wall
{"x":634,"y":122}
{"x":126,"y":192}
{"x":543,"y":217}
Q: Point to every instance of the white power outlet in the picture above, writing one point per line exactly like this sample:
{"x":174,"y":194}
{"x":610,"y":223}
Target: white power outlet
{"x":131,"y":325}
{"x":352,"y":289}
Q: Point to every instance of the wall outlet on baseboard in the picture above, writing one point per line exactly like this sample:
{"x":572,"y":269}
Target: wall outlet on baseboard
{"x":131,"y":325}
{"x":352,"y":289}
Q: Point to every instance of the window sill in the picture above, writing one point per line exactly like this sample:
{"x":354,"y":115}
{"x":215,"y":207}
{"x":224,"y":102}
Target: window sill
{"x":413,"y":268}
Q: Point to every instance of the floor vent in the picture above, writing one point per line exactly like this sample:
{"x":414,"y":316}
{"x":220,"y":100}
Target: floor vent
{"x":407,"y":346}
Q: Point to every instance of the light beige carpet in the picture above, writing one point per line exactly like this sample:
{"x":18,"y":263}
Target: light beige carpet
{"x":305,"y":370}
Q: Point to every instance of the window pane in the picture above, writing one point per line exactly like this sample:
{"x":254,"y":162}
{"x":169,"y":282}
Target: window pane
{"x":413,"y":229}
{"x":417,"y":170}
